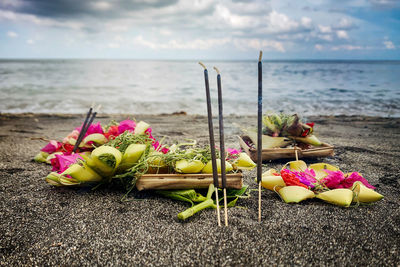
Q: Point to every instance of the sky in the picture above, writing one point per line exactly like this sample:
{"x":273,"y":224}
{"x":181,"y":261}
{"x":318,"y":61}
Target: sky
{"x":200,"y":29}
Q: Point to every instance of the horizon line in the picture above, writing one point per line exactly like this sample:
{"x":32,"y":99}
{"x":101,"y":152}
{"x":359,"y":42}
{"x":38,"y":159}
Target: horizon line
{"x":167,"y":59}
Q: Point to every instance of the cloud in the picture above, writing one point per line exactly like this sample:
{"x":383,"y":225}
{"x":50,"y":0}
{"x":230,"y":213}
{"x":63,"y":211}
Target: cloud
{"x":344,"y":23}
{"x":12,"y":34}
{"x":30,"y":42}
{"x":101,"y":5}
{"x":113,"y":45}
{"x":200,"y":44}
{"x":243,"y":44}
{"x":18,"y":17}
{"x":325,"y":37}
{"x":11,"y":3}
{"x":231,"y":25}
{"x":389,"y":45}
{"x":319,"y":47}
{"x":233,"y":20}
{"x":348,"y":47}
{"x":324,"y":29}
{"x":342,"y":34}
{"x":279,"y":22}
{"x":95,"y":8}
{"x":306,"y":22}
{"x":258,"y":44}
{"x":385,"y":3}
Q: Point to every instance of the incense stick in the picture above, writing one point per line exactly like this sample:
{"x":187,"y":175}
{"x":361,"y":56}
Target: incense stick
{"x":86,"y":127}
{"x":79,"y":139}
{"x":259,"y":136}
{"x":222,"y":142}
{"x":212,"y":141}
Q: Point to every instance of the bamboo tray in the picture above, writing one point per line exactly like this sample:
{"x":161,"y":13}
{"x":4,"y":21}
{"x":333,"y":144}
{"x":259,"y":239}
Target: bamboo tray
{"x":286,"y":153}
{"x":186,"y":181}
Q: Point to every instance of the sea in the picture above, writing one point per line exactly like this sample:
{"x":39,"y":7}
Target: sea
{"x":370,"y":88}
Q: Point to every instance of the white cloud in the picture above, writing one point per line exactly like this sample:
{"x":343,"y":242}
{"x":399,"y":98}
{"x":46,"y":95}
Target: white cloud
{"x":258,"y":44}
{"x":201,"y":44}
{"x":113,"y":45}
{"x":279,"y":22}
{"x":325,"y":37}
{"x":389,"y":45}
{"x":342,"y":34}
{"x":344,"y":23}
{"x":385,"y":3}
{"x":101,"y":5}
{"x":117,"y":26}
{"x":324,"y":29}
{"x":165,"y":32}
{"x":347,"y":47}
{"x":234,"y":20}
{"x":306,"y":22}
{"x":200,"y":24}
{"x":11,"y":3}
{"x":12,"y":34}
{"x":319,"y":47}
{"x":18,"y":17}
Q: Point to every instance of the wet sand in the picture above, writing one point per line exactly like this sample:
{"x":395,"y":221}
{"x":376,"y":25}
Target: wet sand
{"x":45,"y":225}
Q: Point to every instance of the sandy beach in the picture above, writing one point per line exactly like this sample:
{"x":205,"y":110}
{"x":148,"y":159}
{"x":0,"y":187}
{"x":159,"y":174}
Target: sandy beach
{"x":43,"y":225}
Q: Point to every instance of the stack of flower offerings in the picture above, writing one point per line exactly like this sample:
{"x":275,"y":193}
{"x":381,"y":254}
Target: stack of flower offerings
{"x":285,"y":136}
{"x":128,"y":152}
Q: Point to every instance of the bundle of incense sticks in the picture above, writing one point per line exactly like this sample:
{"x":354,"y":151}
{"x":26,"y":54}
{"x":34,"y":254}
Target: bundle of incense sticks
{"x":222,"y":142}
{"x":212,"y":142}
{"x":85,"y":126}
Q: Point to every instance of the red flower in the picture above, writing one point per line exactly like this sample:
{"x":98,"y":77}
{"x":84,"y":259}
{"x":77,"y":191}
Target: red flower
{"x":112,"y":132}
{"x":309,"y":130}
{"x":66,"y":149}
{"x":305,"y":133}
{"x":291,"y":179}
{"x":311,"y":124}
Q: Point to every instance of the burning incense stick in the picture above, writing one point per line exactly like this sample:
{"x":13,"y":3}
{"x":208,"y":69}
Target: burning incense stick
{"x":81,"y":133}
{"x":222,"y":143}
{"x":259,"y":137}
{"x":212,"y":141}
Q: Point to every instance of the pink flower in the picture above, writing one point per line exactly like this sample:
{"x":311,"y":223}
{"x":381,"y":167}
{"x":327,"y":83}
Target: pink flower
{"x":307,"y":177}
{"x":233,"y":151}
{"x":93,"y":128}
{"x":156,"y":144}
{"x":126,"y":125}
{"x":51,"y":147}
{"x":354,"y":177}
{"x":164,"y":150}
{"x":61,"y":162}
{"x":148,"y":132}
{"x":334,"y":179}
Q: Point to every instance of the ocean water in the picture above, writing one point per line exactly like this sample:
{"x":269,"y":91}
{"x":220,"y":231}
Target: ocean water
{"x":154,"y":87}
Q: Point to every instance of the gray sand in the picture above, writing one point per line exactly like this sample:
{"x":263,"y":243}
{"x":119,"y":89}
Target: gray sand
{"x":44,"y":225}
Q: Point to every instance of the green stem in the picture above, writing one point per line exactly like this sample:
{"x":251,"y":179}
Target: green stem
{"x":211,"y":189}
{"x":209,"y":203}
